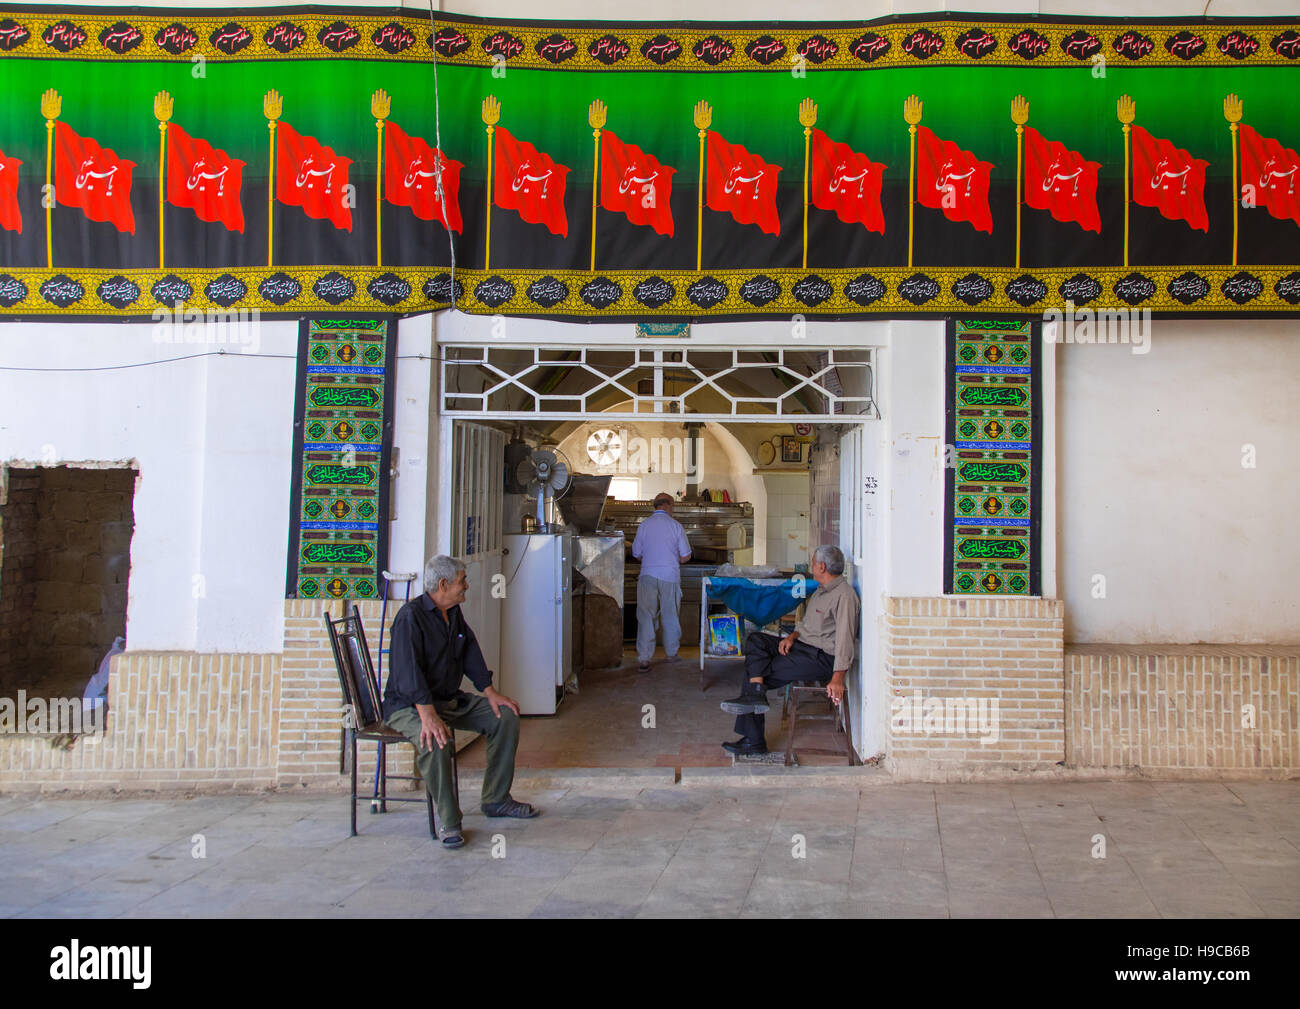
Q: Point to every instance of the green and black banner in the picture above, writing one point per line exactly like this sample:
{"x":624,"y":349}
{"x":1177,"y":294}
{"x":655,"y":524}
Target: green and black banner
{"x":993,"y":475}
{"x":342,"y":441}
{"x":360,"y":160}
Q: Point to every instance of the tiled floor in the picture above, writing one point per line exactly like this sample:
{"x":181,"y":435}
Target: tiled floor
{"x":605,"y":723}
{"x":620,"y":849}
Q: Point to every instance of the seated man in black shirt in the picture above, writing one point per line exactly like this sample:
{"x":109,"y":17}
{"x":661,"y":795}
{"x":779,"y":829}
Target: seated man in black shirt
{"x":432,"y":648}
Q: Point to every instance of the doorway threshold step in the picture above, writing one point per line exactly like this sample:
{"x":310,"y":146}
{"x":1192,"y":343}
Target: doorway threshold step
{"x":742,"y":775}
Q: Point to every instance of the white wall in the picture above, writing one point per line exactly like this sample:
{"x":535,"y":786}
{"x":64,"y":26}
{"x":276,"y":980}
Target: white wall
{"x":415,"y":436}
{"x":211,"y":438}
{"x":910,"y":380}
{"x":1153,"y":495}
{"x":788,"y":510}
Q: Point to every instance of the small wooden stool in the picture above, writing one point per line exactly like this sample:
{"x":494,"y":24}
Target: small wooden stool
{"x":804,"y":692}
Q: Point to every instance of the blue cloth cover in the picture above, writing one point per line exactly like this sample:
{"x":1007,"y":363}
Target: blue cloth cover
{"x":759,"y":604}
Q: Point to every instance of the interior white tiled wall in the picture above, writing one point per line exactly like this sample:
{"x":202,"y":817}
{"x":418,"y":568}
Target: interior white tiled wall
{"x":824,"y":490}
{"x":787,"y":518}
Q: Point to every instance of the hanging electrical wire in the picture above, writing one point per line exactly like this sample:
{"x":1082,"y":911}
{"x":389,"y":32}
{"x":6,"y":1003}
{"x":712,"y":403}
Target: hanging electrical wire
{"x":150,"y":364}
{"x":437,"y":139}
{"x":192,"y":357}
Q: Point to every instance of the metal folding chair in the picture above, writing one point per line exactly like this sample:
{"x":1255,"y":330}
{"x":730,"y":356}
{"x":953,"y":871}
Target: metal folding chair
{"x":389,"y":577}
{"x":364,"y":716}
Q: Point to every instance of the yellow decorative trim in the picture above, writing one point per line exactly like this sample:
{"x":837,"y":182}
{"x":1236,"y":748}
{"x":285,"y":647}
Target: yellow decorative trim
{"x":891,"y":303}
{"x":528,"y":38}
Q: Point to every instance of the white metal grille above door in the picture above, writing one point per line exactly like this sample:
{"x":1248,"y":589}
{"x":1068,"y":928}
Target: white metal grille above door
{"x":710,"y":383}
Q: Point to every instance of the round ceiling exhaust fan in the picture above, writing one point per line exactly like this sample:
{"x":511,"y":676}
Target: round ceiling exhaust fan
{"x":545,"y":473}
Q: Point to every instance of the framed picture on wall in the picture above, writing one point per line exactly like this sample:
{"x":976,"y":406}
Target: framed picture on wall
{"x":791,"y":449}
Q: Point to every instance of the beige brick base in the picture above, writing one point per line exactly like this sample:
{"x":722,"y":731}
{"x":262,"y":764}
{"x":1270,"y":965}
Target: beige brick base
{"x":184,"y":720}
{"x":211,"y":722}
{"x":943,"y":650}
{"x":1228,"y":709}
{"x":176,"y":720}
{"x":311,"y":705}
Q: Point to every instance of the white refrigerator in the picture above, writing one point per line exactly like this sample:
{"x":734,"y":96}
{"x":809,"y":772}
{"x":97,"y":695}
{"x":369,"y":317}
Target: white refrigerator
{"x":537,"y":620}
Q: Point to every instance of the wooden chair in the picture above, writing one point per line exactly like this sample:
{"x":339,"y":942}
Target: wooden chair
{"x":807,"y":692}
{"x":364,"y":716}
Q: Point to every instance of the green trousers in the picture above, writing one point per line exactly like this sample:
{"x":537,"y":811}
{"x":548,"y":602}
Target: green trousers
{"x":472,"y":712}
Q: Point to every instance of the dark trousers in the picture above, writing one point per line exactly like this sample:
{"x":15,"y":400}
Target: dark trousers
{"x":762,"y":659}
{"x":472,"y":712}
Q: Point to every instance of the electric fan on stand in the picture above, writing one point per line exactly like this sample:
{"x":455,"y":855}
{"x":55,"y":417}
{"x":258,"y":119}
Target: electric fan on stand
{"x":546,"y":473}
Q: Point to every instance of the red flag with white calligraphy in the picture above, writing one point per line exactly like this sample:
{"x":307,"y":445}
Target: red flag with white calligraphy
{"x":11,"y":218}
{"x":310,"y":175}
{"x":952,"y":180}
{"x":93,"y":178}
{"x":1061,"y":181}
{"x":204,"y":178}
{"x":530,"y":182}
{"x":846,"y":182}
{"x":1271,"y":169}
{"x":636,"y":184}
{"x":742,"y":184}
{"x":1169,"y":179}
{"x":411,"y":176}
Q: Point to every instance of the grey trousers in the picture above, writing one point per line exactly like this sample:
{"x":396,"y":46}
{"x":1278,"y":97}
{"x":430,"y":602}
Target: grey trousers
{"x":656,"y":598}
{"x":472,"y":712}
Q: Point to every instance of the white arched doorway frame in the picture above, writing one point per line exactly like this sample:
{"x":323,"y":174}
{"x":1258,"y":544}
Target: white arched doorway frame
{"x":862,"y":504}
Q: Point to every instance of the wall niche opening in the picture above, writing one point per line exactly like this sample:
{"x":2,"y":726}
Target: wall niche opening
{"x":65,"y":559}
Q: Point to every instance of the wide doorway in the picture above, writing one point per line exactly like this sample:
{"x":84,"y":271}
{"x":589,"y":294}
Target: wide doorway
{"x":554,"y":456}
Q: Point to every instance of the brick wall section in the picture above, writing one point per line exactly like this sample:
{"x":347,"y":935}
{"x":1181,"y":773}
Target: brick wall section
{"x":205,"y":721}
{"x":176,"y":720}
{"x":63,"y":599}
{"x":312,"y":703}
{"x":83,"y":541}
{"x":208,"y":722}
{"x":18,"y":494}
{"x":1181,"y":707}
{"x":1002,"y":648}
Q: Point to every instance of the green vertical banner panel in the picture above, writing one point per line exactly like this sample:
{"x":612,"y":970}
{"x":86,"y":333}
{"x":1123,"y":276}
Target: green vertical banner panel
{"x":343,"y":420}
{"x":993,"y":461}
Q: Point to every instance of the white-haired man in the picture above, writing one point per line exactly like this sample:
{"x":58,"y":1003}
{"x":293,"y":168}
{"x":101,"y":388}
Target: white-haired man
{"x":819,"y":649}
{"x":432,"y":648}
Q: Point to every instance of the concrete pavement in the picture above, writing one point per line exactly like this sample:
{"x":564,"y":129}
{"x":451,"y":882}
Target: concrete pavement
{"x":624,"y":848}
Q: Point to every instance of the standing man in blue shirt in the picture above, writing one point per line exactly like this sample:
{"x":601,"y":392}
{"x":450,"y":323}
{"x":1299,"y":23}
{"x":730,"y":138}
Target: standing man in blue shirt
{"x":662,"y":548}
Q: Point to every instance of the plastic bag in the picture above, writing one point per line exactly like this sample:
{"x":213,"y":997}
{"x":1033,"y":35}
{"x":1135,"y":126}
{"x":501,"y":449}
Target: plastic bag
{"x":724,"y":634}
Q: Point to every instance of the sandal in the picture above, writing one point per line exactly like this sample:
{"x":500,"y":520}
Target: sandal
{"x":451,"y":838}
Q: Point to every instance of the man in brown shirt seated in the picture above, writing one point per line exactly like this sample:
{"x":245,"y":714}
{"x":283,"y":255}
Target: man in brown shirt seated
{"x":819,"y":649}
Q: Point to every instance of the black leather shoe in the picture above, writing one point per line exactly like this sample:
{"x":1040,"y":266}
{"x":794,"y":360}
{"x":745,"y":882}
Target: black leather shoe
{"x":512,"y":808}
{"x":743,"y":747}
{"x":752,"y":701}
